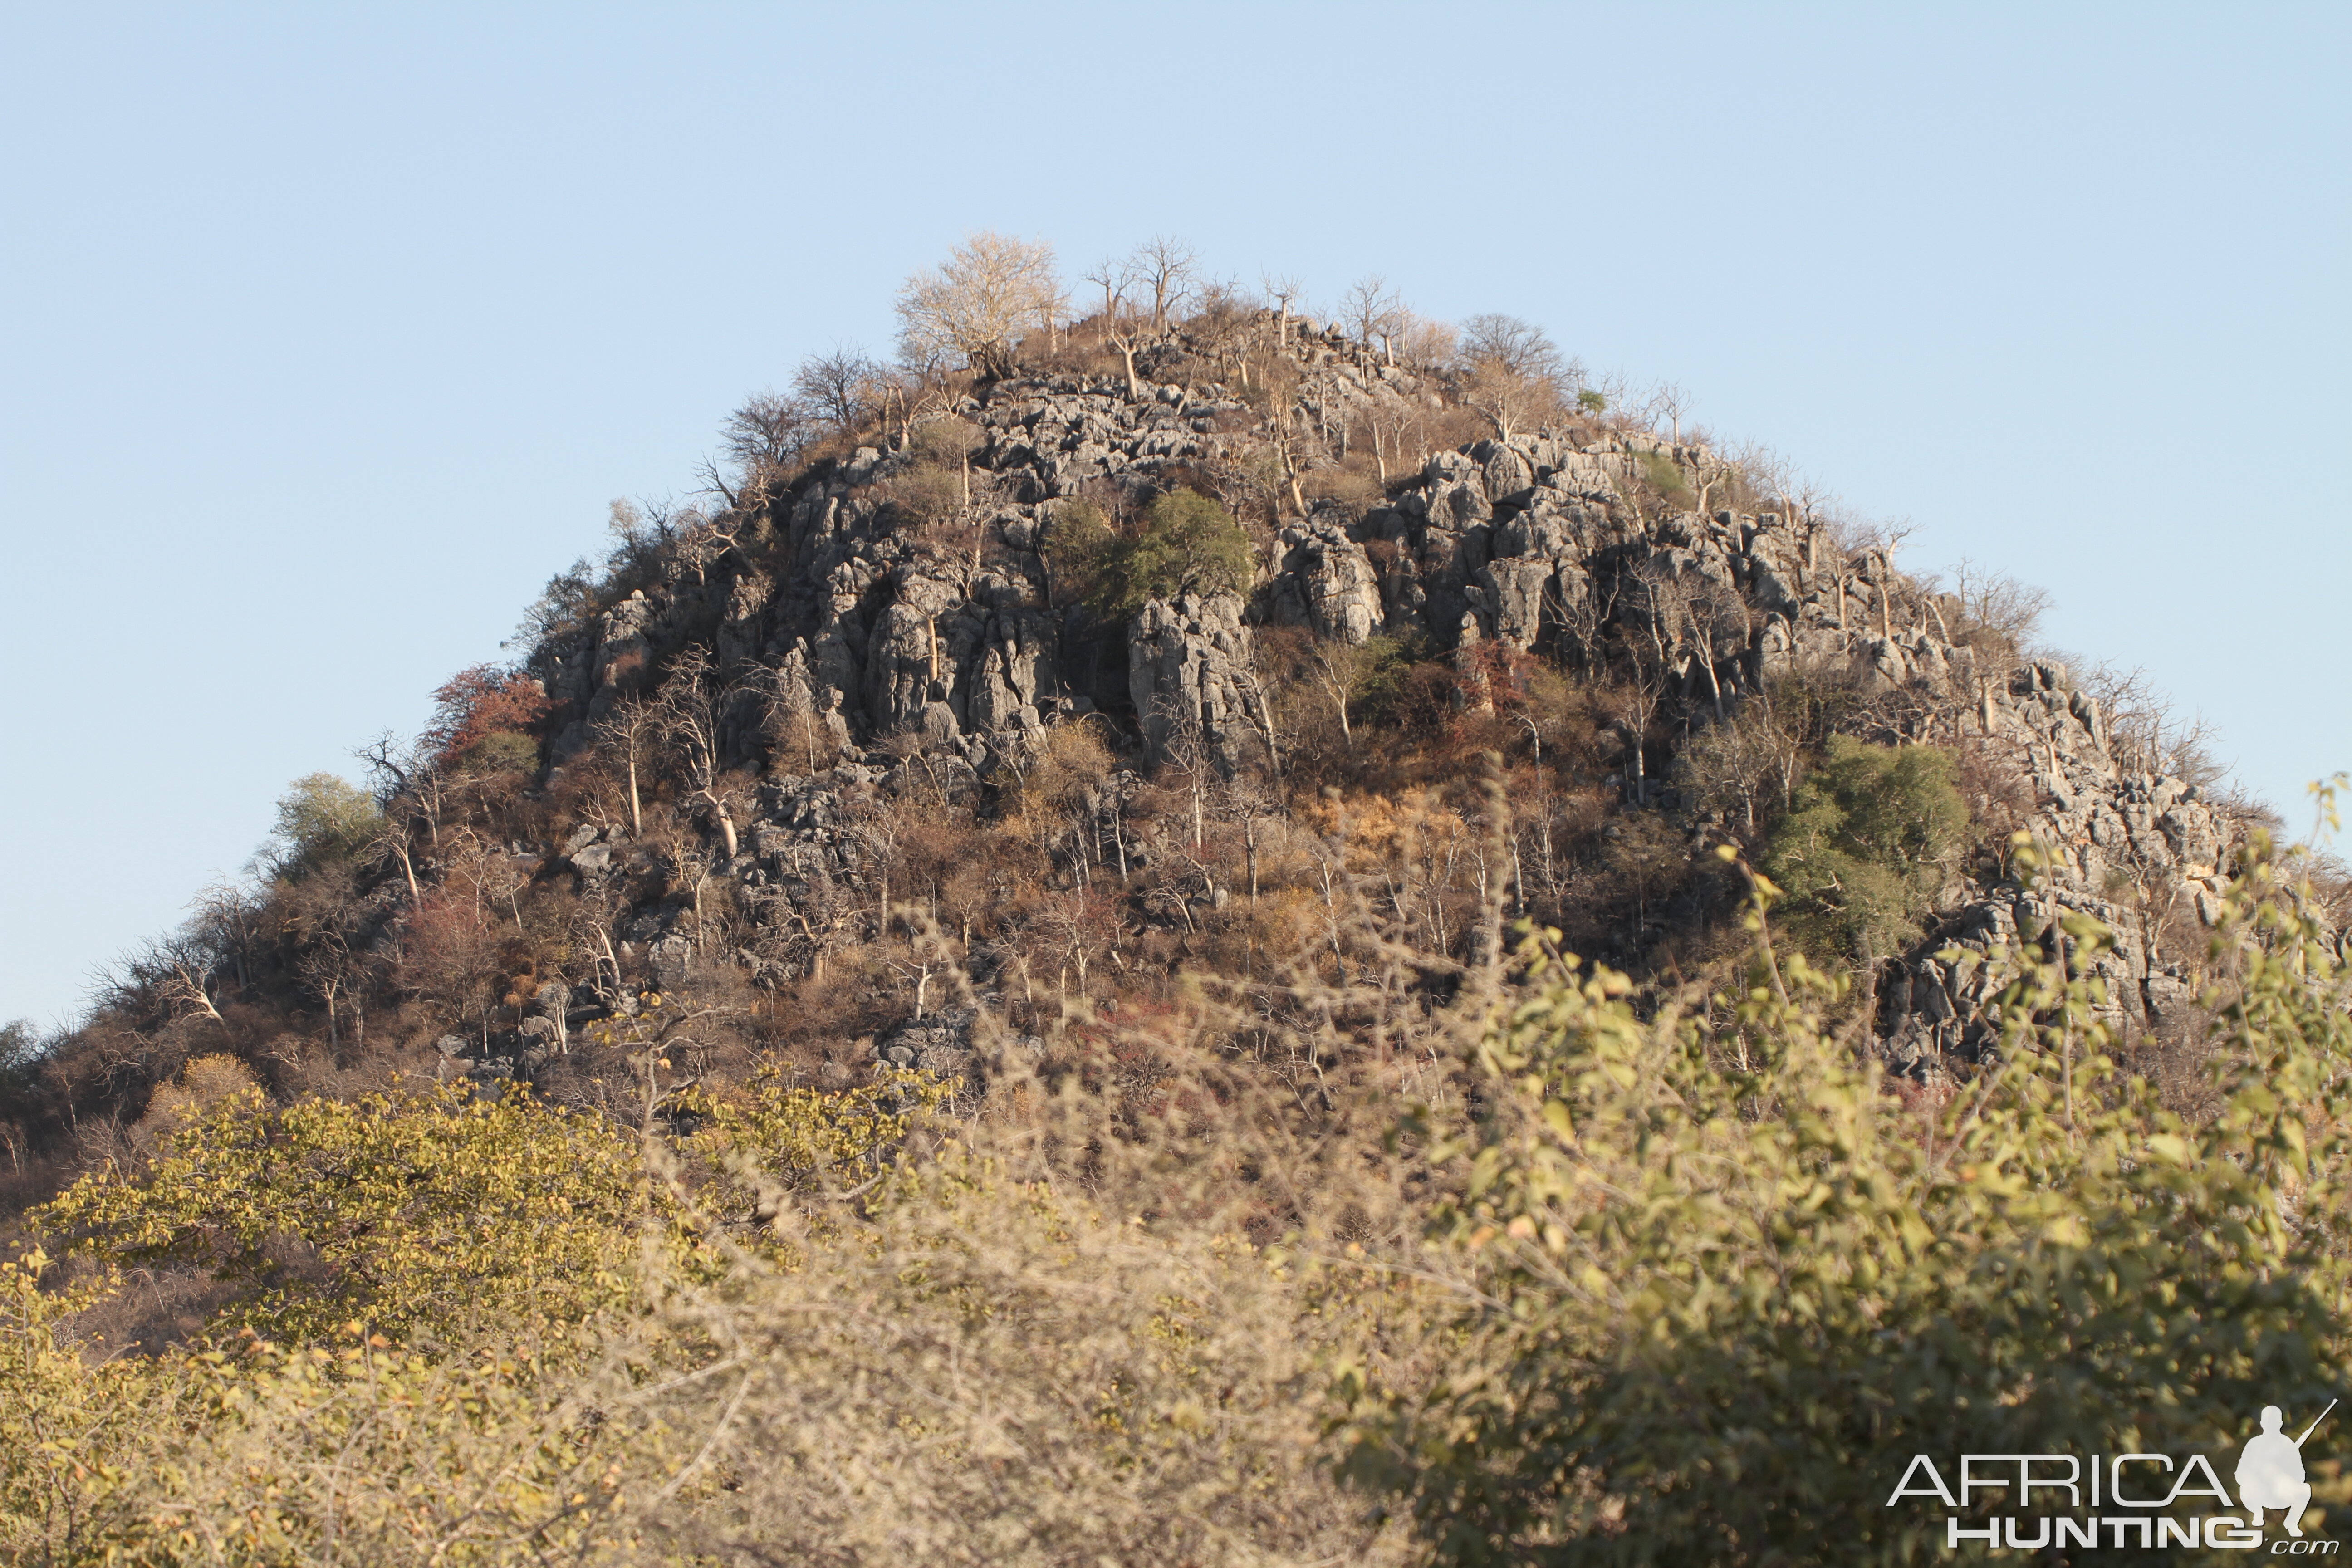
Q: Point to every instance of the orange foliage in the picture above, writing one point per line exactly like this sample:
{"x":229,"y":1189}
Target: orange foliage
{"x":482,"y":701}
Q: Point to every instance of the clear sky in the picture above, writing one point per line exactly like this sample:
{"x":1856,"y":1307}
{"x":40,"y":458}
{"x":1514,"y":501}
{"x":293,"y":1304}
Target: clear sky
{"x":326,"y":332}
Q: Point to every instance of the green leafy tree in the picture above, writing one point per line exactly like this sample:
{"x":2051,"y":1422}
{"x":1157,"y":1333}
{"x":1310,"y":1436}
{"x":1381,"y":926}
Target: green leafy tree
{"x":1872,"y":836}
{"x":1189,"y":545}
{"x":21,"y":1047}
{"x":323,"y":820}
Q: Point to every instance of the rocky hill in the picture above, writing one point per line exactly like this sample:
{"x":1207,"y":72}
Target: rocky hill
{"x":910,"y":723}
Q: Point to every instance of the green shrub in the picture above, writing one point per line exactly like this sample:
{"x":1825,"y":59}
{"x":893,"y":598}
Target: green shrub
{"x":1718,"y":1282}
{"x":321,"y":820}
{"x":1874,"y":832}
{"x":1665,"y":476}
{"x":1189,"y":545}
{"x":1079,"y":544}
{"x":1386,"y":695}
{"x":500,"y":751}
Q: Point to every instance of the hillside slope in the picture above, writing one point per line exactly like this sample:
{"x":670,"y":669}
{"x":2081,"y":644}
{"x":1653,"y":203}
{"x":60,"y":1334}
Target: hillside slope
{"x":940,"y":705}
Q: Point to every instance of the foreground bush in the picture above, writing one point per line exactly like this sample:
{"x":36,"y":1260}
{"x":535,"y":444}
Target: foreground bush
{"x":1679,"y":1284}
{"x":411,"y":1211}
{"x":1719,"y":1283}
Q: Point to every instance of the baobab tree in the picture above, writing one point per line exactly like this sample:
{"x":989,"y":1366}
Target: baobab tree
{"x":1125,"y":335}
{"x":1369,"y":307}
{"x":1113,"y":277}
{"x":974,"y":304}
{"x":1282,"y":290}
{"x":1165,"y":267}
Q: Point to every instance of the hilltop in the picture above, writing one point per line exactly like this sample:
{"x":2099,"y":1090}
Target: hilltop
{"x":1072,"y":660}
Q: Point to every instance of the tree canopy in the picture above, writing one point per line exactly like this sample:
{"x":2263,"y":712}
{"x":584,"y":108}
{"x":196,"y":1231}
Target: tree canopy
{"x":1188,"y":544}
{"x":976,"y":303}
{"x":1871,"y":838}
{"x":322,"y":819}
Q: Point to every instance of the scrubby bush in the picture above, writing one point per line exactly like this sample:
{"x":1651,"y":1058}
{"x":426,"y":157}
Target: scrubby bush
{"x":1189,"y":545}
{"x":1718,"y":1282}
{"x":947,"y":441}
{"x":927,"y":493}
{"x":1685,"y":1282}
{"x":1874,"y":835}
{"x":1352,"y":487}
{"x":500,"y":751}
{"x":323,"y":820}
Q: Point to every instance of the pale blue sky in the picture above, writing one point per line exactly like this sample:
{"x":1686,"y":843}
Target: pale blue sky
{"x":330,"y":330}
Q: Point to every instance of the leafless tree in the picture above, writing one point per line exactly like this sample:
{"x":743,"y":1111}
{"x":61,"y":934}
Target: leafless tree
{"x":1125,"y":335}
{"x":843,"y":386}
{"x":1720,"y":628}
{"x":975,"y":304}
{"x":1996,"y":614}
{"x":1509,"y":371}
{"x":326,"y":966}
{"x":1510,"y":344}
{"x":1668,"y":401}
{"x":1112,"y":277}
{"x":1283,"y":291}
{"x":1165,"y":267}
{"x":689,"y":714}
{"x":1186,"y":751}
{"x":1660,"y":603}
{"x":1337,"y":667}
{"x":2145,"y":730}
{"x":1368,"y":307}
{"x":767,"y":432}
{"x":1420,"y":342}
{"x":794,"y":724}
{"x":1737,"y":764}
{"x":1054,"y":306}
{"x":629,"y":725}
{"x":1221,"y":325}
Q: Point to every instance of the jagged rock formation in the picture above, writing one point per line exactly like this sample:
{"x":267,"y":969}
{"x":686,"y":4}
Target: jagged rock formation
{"x":886,"y":632}
{"x":2111,"y":831}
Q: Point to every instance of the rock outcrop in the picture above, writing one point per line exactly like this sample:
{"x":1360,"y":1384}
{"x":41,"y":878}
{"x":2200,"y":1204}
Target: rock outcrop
{"x":877,"y":627}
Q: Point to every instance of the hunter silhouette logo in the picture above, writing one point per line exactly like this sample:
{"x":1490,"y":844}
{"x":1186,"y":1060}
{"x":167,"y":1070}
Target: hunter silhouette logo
{"x":2270,"y":1472}
{"x":2122,"y":1500}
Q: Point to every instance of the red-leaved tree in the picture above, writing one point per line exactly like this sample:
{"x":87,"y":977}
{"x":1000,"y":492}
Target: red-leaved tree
{"x":483,"y":700}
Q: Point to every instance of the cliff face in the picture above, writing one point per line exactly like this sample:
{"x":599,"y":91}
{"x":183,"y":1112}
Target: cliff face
{"x":898,"y":642}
